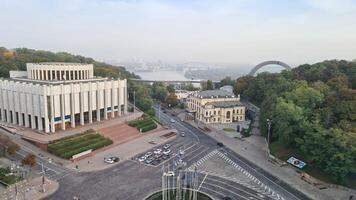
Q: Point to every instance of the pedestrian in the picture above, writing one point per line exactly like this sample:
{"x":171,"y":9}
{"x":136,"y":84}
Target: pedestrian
{"x":88,"y":161}
{"x":351,"y":197}
{"x":76,"y":166}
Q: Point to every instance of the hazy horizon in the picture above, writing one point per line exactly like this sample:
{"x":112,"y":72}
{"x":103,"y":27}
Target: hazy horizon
{"x":226,"y":31}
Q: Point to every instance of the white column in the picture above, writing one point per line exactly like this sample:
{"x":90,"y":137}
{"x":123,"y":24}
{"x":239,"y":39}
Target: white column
{"x":90,"y":104}
{"x":2,"y":104}
{"x":62,"y":107}
{"x":14,"y":118}
{"x":45,"y":109}
{"x":125,"y":99}
{"x":72,"y":107}
{"x":105,"y":100}
{"x":27,"y":123}
{"x":53,"y":128}
{"x":81,"y":103}
{"x":39,"y":117}
{"x":20,"y":109}
{"x":8,"y":115}
{"x":112,"y":99}
{"x":118,"y":99}
{"x":97,"y":102}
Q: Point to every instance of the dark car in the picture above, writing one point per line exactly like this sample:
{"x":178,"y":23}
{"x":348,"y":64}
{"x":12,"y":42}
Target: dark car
{"x":220,"y":144}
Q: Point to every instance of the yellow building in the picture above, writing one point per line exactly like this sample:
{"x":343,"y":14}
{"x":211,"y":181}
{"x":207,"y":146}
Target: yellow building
{"x":215,"y":106}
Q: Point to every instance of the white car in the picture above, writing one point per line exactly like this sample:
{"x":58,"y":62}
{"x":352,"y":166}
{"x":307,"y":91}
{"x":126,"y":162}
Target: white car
{"x":142,"y":158}
{"x":181,"y":152}
{"x":166,"y":146}
{"x":157,"y":151}
{"x":172,"y":120}
{"x":109,"y":160}
{"x":166,"y":151}
{"x":148,"y":154}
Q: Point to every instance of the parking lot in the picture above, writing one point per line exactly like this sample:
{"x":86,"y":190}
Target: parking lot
{"x":165,"y":152}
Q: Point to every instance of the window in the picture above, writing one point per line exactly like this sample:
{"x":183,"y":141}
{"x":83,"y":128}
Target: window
{"x":214,"y":112}
{"x":240,"y":118}
{"x":206,"y":113}
{"x":233,"y":111}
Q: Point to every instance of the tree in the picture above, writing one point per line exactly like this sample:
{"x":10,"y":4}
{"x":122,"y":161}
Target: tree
{"x":159,"y":91}
{"x":29,"y":159}
{"x":227,"y":81}
{"x":12,"y":148}
{"x":170,"y":88}
{"x":209,"y":85}
{"x":172,"y":100}
{"x":190,"y":87}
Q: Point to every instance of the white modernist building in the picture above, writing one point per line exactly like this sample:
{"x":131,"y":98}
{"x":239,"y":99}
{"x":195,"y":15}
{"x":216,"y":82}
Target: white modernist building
{"x":52,"y":96}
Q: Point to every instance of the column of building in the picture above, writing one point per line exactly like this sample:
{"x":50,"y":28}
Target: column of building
{"x":52,"y":113}
{"x":72,"y":107}
{"x":97,"y":102}
{"x":112,"y":99}
{"x":90,"y":105}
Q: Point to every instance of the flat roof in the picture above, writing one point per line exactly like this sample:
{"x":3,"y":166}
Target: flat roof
{"x":226,"y":104}
{"x":215,"y":93}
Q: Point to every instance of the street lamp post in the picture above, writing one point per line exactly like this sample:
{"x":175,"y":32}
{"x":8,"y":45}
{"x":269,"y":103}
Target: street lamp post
{"x":269,"y":122}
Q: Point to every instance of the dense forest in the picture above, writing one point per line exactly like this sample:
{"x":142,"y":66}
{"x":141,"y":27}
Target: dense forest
{"x":313,"y":109}
{"x":16,"y":59}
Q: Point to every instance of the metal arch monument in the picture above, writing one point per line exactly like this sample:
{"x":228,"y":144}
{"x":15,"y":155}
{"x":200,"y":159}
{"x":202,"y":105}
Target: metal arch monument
{"x":270,"y":62}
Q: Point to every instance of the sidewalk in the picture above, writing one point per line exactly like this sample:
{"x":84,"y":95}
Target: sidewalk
{"x":254,"y":149}
{"x":30,"y":190}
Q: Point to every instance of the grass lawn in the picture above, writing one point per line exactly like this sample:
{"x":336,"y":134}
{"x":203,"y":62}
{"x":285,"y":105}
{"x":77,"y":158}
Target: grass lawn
{"x":6,"y":178}
{"x":144,"y":124}
{"x":284,"y":153}
{"x":229,"y":129}
{"x":69,"y":146}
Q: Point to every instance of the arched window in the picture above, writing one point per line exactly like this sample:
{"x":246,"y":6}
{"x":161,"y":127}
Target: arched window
{"x":228,"y":114}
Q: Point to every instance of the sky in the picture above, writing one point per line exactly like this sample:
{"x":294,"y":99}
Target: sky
{"x":216,"y":31}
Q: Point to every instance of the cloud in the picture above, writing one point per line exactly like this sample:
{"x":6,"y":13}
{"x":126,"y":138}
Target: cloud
{"x":334,"y":6}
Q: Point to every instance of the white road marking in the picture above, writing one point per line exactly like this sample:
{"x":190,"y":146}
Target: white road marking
{"x":202,"y":181}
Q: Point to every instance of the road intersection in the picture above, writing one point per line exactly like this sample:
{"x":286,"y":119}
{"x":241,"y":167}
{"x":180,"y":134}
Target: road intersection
{"x":132,"y":180}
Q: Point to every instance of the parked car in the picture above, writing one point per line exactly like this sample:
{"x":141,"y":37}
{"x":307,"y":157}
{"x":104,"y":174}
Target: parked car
{"x":148,"y":154}
{"x":149,"y":160}
{"x":172,"y":120}
{"x":181,"y":152}
{"x":158,"y":156}
{"x":142,"y":158}
{"x":182,"y":134}
{"x":166,"y":151}
{"x":165,"y":157}
{"x":157,"y":151}
{"x":166,"y":146}
{"x":111,"y":159}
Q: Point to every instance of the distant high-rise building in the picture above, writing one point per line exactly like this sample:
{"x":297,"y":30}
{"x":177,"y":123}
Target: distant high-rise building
{"x":50,"y":96}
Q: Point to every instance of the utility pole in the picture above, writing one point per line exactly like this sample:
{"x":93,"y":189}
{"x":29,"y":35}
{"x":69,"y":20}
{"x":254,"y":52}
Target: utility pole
{"x":43,"y":179}
{"x":269,"y":122}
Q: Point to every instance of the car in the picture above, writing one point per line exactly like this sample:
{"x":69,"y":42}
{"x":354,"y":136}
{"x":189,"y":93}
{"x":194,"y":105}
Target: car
{"x":157,"y":151}
{"x":165,"y":157}
{"x":148,"y":154}
{"x":164,"y":111}
{"x":149,"y":160}
{"x":166,"y":146}
{"x":142,"y":158}
{"x":220,"y":144}
{"x":155,"y":162}
{"x":182,"y":134}
{"x":152,"y":142}
{"x":158,"y":156}
{"x":111,"y":159}
{"x":227,"y":198}
{"x":181,"y":152}
{"x":166,"y":151}
{"x":172,"y":120}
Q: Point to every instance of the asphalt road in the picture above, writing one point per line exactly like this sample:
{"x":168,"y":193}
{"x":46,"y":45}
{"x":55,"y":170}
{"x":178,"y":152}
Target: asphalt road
{"x":132,"y":180}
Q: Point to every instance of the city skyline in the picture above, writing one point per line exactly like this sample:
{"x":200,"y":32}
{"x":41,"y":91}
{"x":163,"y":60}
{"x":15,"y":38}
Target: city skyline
{"x":245,"y":32}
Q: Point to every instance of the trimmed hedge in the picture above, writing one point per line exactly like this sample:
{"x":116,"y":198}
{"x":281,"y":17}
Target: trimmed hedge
{"x":145,"y":124}
{"x":70,"y":146}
